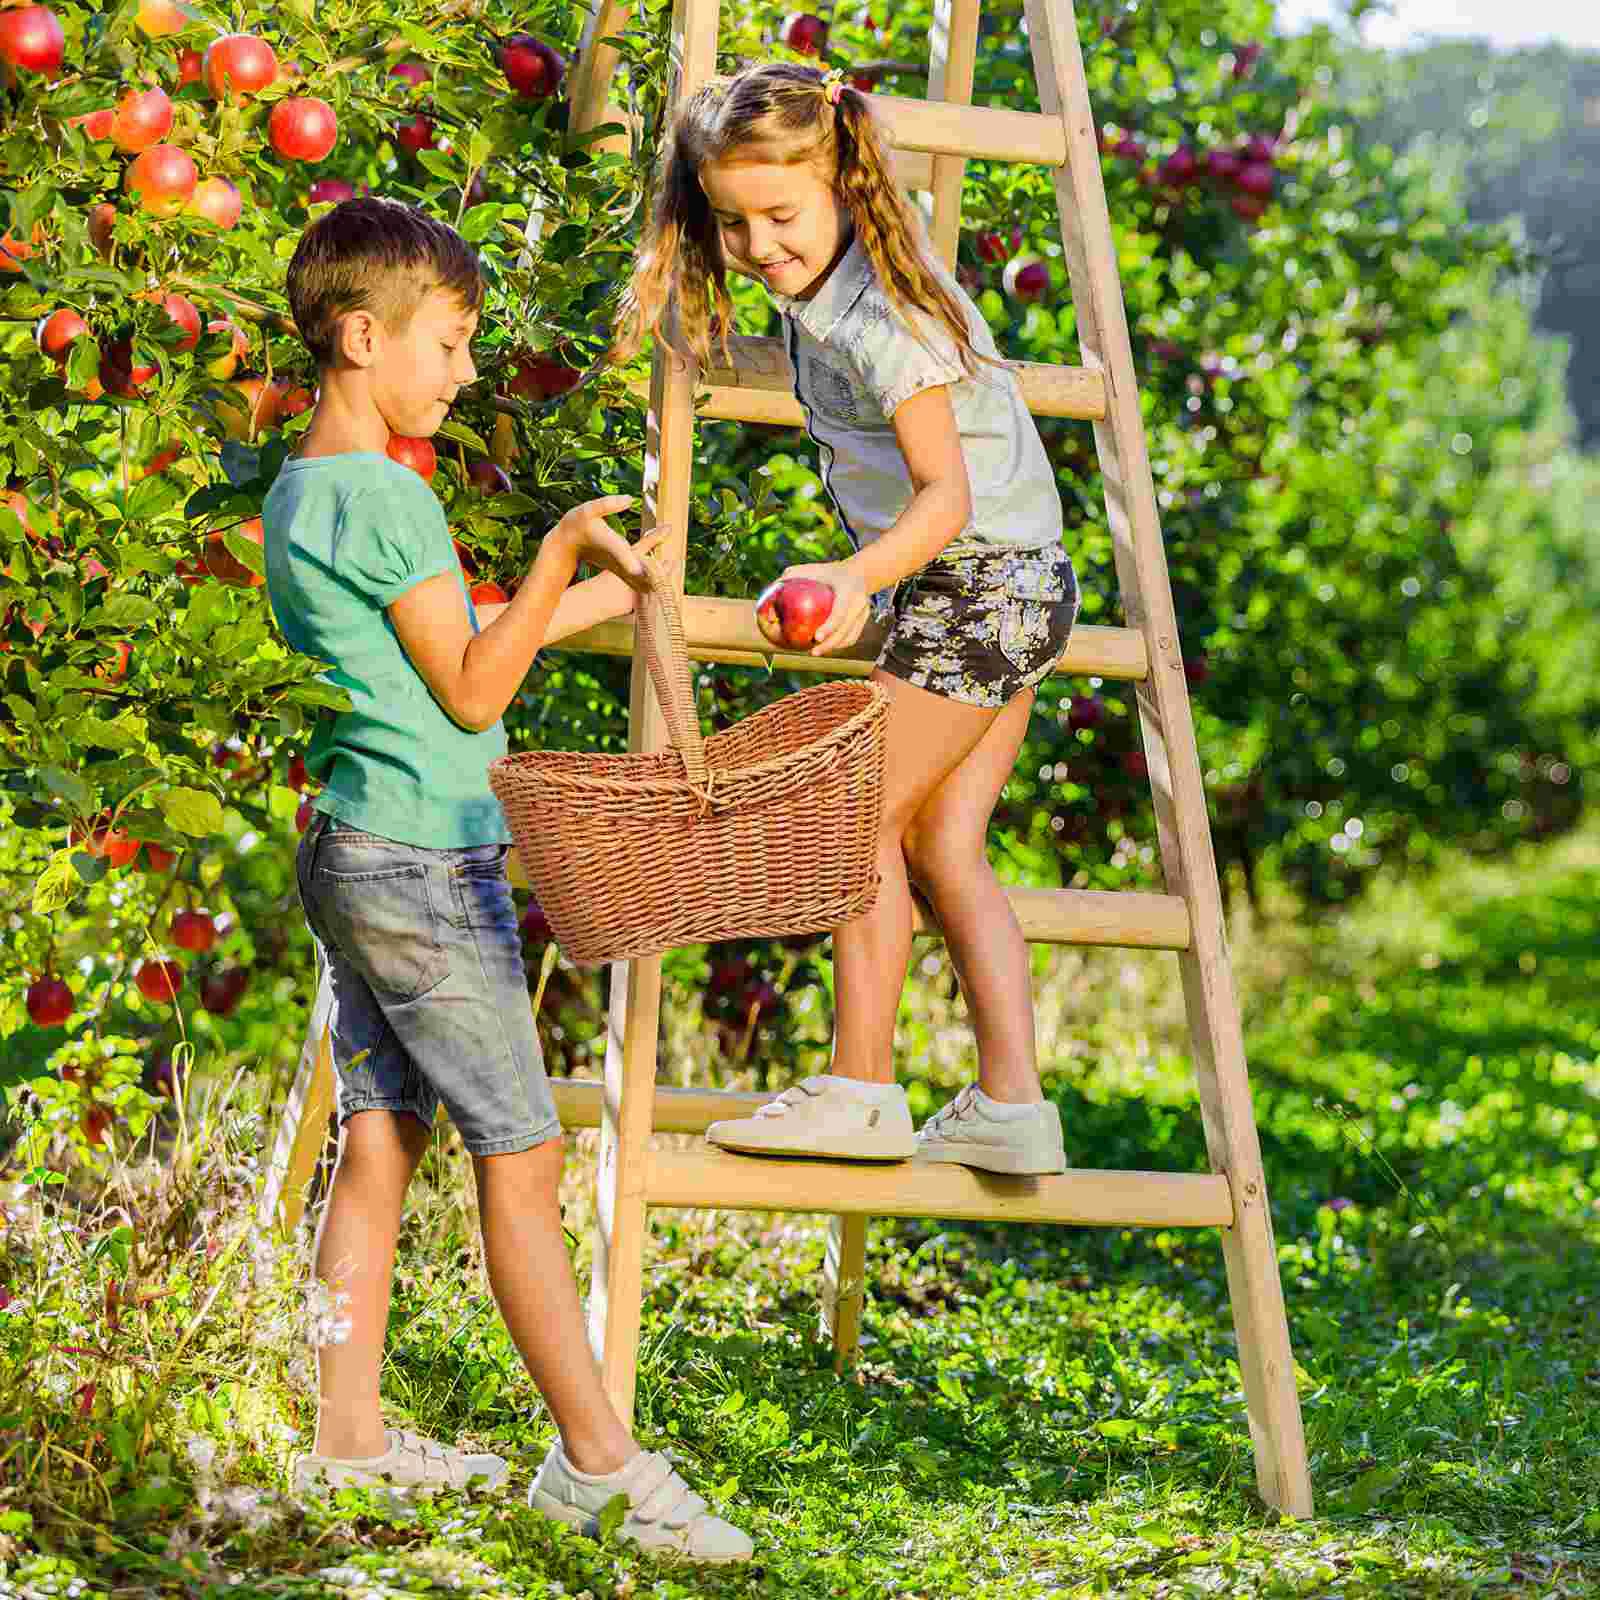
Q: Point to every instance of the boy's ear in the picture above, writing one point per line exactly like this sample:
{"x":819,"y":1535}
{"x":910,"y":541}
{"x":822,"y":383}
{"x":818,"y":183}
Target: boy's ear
{"x":359,"y":338}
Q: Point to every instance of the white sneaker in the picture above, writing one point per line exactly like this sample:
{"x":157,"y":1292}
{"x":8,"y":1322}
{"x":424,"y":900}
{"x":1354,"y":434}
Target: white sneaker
{"x":826,"y":1116}
{"x":975,"y":1131}
{"x":410,"y":1462}
{"x":664,"y":1514}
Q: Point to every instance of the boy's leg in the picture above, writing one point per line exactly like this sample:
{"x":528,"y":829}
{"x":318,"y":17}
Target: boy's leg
{"x":946,"y":850}
{"x":526,"y":1252}
{"x":378,"y":1155}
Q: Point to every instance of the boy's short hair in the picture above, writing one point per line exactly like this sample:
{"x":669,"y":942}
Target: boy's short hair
{"x":375,"y":255}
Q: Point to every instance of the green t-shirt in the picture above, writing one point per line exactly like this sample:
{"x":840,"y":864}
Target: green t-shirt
{"x":346,"y":535}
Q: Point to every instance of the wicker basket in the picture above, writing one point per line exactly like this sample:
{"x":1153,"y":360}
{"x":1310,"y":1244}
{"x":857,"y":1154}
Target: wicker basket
{"x":769,"y":827}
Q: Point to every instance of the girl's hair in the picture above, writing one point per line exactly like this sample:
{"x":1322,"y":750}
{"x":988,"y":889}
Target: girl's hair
{"x":784,"y":114}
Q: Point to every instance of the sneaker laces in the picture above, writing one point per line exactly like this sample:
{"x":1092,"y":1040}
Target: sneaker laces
{"x":952,"y":1112}
{"x":660,"y":1495}
{"x":796,"y":1094}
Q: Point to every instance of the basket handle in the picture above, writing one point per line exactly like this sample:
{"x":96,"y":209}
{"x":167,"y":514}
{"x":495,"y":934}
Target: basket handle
{"x":658,"y":619}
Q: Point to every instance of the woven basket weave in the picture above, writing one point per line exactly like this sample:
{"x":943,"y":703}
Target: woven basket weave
{"x":767,"y":828}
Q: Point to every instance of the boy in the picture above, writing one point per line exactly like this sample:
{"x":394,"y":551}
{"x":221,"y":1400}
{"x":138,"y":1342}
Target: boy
{"x":402,"y":870}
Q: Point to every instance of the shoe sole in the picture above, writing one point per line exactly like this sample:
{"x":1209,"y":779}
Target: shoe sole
{"x":1008,"y":1162}
{"x":819,"y":1150}
{"x":589,"y":1526}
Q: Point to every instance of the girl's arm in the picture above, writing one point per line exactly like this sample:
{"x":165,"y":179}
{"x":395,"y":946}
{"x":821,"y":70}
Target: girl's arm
{"x":941,"y":505}
{"x":581,"y":606}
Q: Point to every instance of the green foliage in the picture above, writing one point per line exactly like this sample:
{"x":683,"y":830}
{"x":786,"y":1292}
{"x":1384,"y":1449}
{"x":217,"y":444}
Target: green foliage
{"x":1038,"y":1411}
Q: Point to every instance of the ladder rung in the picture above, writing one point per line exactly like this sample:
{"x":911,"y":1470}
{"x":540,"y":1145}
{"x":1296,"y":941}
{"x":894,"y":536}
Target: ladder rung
{"x":759,"y":387}
{"x":578,"y":1100}
{"x":981,"y":133}
{"x":913,"y":169}
{"x":719,"y":1181}
{"x":1122,"y":918}
{"x":725,"y":630}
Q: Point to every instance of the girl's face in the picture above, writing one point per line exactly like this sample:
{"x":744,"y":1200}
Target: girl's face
{"x":782,"y":225}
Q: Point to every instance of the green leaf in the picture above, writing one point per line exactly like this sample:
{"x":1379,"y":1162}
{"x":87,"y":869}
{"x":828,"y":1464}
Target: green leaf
{"x":56,"y":886}
{"x":245,"y":551}
{"x":127,"y":732}
{"x":23,"y":710}
{"x":1371,"y":1487}
{"x":67,"y":786}
{"x":91,"y":869}
{"x":132,"y":558}
{"x":612,"y":1515}
{"x":192,"y":811}
{"x":124,"y":612}
{"x":950,"y":1388}
{"x":207,"y":605}
{"x":462,"y":434}
{"x":1117,"y":1427}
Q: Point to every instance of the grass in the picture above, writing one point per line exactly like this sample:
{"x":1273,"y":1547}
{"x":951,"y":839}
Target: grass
{"x":1037,"y":1412}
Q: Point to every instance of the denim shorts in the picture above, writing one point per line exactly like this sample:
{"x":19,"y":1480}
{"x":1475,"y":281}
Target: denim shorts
{"x":981,"y":626}
{"x":422,"y":984}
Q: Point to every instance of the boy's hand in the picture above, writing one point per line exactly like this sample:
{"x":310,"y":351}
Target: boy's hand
{"x":615,"y":595}
{"x":585,"y":533}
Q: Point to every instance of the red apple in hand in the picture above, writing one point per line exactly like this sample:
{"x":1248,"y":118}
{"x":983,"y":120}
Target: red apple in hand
{"x":49,"y":1002}
{"x":790,"y":611}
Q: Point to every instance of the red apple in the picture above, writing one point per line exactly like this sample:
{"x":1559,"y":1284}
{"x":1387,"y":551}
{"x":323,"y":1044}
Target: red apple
{"x":240,"y":62}
{"x":158,"y":18}
{"x":522,"y":59}
{"x":303,"y":129}
{"x":330,"y":191}
{"x":541,"y":377}
{"x":142,"y":118}
{"x":96,"y":1124}
{"x":535,"y":924}
{"x":1245,"y":60}
{"x":161,"y":179}
{"x":1182,"y":167}
{"x":193,"y":930}
{"x":224,"y":566}
{"x":303,"y":815}
{"x":804,"y":33}
{"x":1251,"y":207}
{"x":415,"y":134}
{"x":247,"y":406}
{"x":157,"y":858}
{"x":1129,"y":148}
{"x":222,"y":991}
{"x":113,"y":844}
{"x":216,"y":200}
{"x":733,"y":972}
{"x":159,"y":980}
{"x":101,"y":219}
{"x":96,"y":124}
{"x":289,"y":399}
{"x":57,"y":332}
{"x":1134,"y":764}
{"x":1256,"y":178}
{"x":119,"y":372}
{"x":414,"y":72}
{"x":1196,"y":669}
{"x":225,"y":365}
{"x":1089,"y":711}
{"x":14,"y":251}
{"x":31,"y":39}
{"x":191,"y":67}
{"x":418,"y":454}
{"x":997,"y":247}
{"x":1027,"y":279}
{"x":790,"y":611}
{"x":487,"y":478}
{"x":760,"y":998}
{"x":864,"y":82}
{"x":49,"y":1002}
{"x":183,"y":313}
{"x":488,"y":594}
{"x":296,"y":776}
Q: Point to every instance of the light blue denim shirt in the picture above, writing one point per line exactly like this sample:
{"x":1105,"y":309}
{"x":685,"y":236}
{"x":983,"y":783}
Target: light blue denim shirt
{"x":856,"y":362}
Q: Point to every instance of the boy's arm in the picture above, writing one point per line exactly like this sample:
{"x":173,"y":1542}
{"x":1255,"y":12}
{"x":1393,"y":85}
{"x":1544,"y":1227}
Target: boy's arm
{"x":474,"y":676}
{"x":581,"y":606}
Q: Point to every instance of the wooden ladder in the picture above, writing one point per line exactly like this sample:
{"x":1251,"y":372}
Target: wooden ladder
{"x":933,"y":139}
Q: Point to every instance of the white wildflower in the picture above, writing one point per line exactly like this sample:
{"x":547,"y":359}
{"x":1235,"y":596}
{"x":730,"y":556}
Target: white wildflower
{"x":323,"y":1308}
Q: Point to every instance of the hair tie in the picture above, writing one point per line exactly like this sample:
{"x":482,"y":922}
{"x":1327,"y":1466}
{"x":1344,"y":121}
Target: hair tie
{"x":833,"y":86}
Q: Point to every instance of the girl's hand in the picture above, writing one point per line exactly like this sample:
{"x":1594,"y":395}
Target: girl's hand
{"x":851,"y":606}
{"x":586,"y":536}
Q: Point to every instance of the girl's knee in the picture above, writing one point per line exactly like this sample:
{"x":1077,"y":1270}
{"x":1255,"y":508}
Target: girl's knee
{"x":935,"y":855}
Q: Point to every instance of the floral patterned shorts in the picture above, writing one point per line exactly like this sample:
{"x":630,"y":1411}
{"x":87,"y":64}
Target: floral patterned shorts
{"x":981,"y":628}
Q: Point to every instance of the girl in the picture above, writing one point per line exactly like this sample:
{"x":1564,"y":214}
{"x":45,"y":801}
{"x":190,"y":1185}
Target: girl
{"x":938,"y":474}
